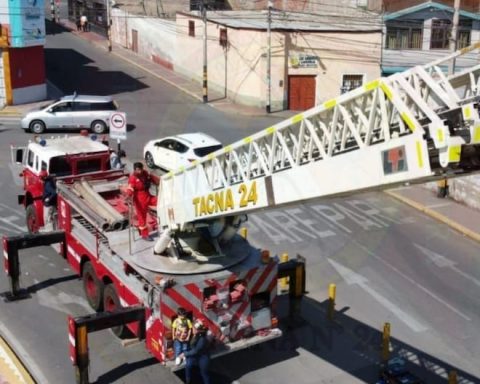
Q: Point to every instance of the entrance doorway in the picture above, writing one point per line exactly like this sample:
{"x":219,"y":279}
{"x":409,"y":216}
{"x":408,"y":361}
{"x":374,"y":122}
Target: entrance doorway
{"x":301,"y":92}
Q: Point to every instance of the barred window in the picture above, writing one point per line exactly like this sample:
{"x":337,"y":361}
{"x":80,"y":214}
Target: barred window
{"x":350,"y":82}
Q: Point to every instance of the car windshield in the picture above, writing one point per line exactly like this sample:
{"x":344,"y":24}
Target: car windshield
{"x":49,"y":104}
{"x":204,"y":151}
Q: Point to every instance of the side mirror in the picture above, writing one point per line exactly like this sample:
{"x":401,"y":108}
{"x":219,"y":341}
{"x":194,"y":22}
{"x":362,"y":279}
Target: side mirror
{"x":19,"y":156}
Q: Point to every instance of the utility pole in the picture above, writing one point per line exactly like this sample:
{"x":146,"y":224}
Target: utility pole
{"x":52,"y":11}
{"x":205,"y":72}
{"x":269,"y":57}
{"x":109,"y":25}
{"x":454,"y":37}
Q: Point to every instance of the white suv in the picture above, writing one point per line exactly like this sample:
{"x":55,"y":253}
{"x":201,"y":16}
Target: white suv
{"x":72,"y":112}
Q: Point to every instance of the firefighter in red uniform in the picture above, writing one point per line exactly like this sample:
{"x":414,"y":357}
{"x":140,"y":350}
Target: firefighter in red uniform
{"x":138,"y":187}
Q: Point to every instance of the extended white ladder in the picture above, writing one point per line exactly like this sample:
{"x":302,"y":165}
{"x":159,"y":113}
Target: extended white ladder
{"x":410,"y":127}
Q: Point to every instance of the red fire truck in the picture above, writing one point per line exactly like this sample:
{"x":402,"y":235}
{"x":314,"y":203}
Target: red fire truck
{"x":412,"y":127}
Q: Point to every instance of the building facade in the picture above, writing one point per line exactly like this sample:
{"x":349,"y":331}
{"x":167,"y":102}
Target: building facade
{"x":22,"y":41}
{"x":313,"y":57}
{"x":422,"y":33}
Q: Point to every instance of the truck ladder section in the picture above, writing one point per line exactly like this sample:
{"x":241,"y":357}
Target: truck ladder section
{"x":79,"y":327}
{"x":413,"y":126}
{"x":11,"y":263}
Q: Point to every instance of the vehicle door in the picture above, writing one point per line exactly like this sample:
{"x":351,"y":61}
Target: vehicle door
{"x":164,"y":154}
{"x":81,"y":115}
{"x":60,"y":115}
{"x":179,"y":155}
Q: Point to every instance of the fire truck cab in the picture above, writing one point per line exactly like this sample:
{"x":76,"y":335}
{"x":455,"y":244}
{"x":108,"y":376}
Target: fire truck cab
{"x":62,"y":158}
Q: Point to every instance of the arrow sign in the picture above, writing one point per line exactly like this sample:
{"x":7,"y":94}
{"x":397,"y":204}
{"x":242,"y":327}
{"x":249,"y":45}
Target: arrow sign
{"x":352,"y":278}
{"x":118,"y":125}
{"x":442,"y":262}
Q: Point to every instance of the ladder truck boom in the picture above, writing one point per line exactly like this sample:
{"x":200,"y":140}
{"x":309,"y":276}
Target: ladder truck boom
{"x":414,"y":126}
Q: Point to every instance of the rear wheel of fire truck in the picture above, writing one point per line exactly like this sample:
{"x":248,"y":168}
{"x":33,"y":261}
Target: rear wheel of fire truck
{"x":111,"y":303}
{"x":93,"y":287}
{"x":98,"y":127}
{"x":37,"y":126}
{"x":149,"y":160}
{"x":32,"y":220}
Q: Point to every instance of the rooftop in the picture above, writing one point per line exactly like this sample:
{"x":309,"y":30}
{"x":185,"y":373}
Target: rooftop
{"x":345,"y":20}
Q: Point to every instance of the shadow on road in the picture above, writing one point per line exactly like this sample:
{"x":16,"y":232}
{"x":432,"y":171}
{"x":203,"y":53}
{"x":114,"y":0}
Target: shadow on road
{"x":346,"y":344}
{"x":122,"y":370}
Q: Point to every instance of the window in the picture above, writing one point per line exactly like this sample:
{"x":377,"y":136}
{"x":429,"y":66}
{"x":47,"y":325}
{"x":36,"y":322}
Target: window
{"x":350,"y":82}
{"x":167,"y":144}
{"x":441,"y":30}
{"x":204,"y":151}
{"x":108,"y":106}
{"x":223,"y":37}
{"x":30,"y":158}
{"x":179,"y":147}
{"x":464,"y":32}
{"x":59,"y":166}
{"x":87,"y":166}
{"x":62,"y":107}
{"x":405,"y":36}
{"x":191,"y":28}
{"x":81,"y":106}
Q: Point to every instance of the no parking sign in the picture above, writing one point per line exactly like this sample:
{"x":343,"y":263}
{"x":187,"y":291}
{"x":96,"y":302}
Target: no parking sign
{"x":118,"y":125}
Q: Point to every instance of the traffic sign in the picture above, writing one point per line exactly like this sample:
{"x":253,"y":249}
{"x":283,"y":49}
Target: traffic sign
{"x":118,"y":125}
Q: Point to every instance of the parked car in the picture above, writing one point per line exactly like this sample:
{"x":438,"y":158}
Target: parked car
{"x":72,"y":112}
{"x":175,"y":151}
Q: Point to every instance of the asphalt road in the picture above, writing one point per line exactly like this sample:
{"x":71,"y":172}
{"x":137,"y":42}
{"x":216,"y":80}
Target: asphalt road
{"x":390,"y":263}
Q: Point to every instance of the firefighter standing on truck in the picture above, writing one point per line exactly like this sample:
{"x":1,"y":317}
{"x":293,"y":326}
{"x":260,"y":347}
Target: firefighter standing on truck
{"x":138,"y":187}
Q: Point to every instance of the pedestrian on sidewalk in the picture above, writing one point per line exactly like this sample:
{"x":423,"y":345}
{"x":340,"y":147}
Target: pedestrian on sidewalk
{"x":83,"y":23}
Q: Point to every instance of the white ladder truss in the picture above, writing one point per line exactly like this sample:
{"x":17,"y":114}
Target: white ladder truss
{"x":409,"y":127}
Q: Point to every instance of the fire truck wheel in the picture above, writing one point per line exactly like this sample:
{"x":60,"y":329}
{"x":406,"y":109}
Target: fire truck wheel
{"x":98,"y":127}
{"x":31,"y":217}
{"x":111,"y":303}
{"x":37,"y":126}
{"x":93,"y":287}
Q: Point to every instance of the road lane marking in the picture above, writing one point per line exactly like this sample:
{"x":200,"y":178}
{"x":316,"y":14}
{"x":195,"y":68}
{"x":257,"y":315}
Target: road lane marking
{"x":353,"y":278}
{"x":443,"y":262}
{"x":409,"y":279}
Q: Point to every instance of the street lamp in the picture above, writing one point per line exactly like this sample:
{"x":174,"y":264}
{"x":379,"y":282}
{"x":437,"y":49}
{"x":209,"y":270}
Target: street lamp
{"x":269,"y":57}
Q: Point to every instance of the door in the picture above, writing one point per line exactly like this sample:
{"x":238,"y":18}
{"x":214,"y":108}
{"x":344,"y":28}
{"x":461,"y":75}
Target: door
{"x":164,"y":154}
{"x":60,"y":116}
{"x":82,"y":114}
{"x":135,"y":40}
{"x":301,"y":92}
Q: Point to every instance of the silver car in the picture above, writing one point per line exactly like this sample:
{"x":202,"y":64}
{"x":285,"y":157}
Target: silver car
{"x":72,"y":112}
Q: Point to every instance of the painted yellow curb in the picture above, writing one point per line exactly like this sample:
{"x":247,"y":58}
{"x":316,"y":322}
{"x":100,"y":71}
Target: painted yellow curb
{"x":11,"y":368}
{"x":430,"y":212}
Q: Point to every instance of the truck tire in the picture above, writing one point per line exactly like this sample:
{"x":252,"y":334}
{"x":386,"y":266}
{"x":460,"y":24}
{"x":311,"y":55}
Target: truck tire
{"x":111,"y":303}
{"x":93,"y":286}
{"x":31,"y":219}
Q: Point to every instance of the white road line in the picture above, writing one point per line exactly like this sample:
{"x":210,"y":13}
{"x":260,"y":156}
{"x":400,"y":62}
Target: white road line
{"x":8,"y":220}
{"x":353,"y":278}
{"x":16,"y":211}
{"x":431,"y":294}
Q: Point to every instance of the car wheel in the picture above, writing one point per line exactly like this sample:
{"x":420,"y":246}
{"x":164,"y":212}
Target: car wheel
{"x":37,"y":126}
{"x":149,"y":160}
{"x":98,"y":126}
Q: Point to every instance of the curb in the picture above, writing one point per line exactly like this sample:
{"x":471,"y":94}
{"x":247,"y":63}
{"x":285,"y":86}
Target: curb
{"x":430,"y":212}
{"x":12,"y":358}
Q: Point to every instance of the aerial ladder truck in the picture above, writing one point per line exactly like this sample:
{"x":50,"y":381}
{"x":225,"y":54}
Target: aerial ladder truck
{"x":412,"y":127}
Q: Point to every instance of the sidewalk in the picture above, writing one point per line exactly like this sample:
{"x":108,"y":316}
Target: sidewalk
{"x":462,"y":218}
{"x":11,"y":369}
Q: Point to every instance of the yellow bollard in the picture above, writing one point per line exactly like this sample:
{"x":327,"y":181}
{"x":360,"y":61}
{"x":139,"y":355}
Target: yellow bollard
{"x":243,"y":232}
{"x":284,"y":280}
{"x":452,"y":377}
{"x":386,"y":342}
{"x":332,"y":292}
